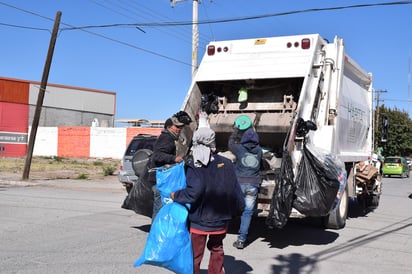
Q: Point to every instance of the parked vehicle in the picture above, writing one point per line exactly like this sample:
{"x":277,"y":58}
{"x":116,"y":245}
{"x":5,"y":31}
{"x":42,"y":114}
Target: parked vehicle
{"x":299,"y":91}
{"x":409,"y":161}
{"x":135,"y":158}
{"x":394,"y":165}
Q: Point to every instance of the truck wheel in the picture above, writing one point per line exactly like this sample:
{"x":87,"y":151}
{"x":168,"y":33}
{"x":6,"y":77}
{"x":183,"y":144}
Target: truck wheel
{"x":337,"y":217}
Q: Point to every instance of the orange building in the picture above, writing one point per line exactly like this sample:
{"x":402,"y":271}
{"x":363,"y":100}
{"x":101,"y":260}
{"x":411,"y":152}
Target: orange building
{"x":62,"y":106}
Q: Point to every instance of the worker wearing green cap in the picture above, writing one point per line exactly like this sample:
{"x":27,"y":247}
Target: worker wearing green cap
{"x":244,"y":144}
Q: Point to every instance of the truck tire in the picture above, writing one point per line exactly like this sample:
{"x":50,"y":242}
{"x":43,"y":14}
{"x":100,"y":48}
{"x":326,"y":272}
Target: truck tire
{"x":337,"y":217}
{"x":139,"y":161}
{"x":373,"y":201}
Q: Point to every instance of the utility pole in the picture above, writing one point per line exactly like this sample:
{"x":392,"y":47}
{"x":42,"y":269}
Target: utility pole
{"x":409,"y":84}
{"x":377,"y":114}
{"x":40,"y":97}
{"x":195,"y":33}
{"x":195,"y":37}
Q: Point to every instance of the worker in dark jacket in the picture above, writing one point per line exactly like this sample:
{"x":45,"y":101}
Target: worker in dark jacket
{"x":244,"y":144}
{"x":164,"y":153}
{"x":214,"y":196}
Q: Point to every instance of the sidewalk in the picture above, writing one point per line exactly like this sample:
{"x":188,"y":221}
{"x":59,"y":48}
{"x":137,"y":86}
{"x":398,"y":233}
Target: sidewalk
{"x":106,"y":183}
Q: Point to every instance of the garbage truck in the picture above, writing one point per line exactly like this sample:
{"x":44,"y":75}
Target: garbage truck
{"x":302,"y":94}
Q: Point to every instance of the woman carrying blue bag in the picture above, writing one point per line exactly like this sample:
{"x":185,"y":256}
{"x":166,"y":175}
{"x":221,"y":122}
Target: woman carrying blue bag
{"x":168,"y":244}
{"x":214,"y":195}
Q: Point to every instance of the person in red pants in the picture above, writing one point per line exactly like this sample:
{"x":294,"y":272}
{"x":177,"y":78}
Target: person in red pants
{"x":214,"y":195}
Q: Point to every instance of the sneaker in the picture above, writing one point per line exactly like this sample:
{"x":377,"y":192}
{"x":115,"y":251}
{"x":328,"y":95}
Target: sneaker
{"x":239,"y":244}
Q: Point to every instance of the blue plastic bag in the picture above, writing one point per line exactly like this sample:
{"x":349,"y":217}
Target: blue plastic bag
{"x":169,"y":179}
{"x":168,"y":244}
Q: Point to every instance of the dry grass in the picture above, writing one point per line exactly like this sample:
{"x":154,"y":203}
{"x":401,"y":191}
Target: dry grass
{"x":59,"y":168}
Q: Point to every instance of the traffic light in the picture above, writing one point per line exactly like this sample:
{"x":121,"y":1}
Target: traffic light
{"x":385,"y":126}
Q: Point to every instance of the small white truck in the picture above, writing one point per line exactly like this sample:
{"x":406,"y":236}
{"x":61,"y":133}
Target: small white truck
{"x":277,"y":81}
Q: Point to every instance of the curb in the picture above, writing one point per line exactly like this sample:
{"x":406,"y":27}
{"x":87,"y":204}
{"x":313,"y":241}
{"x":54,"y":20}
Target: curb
{"x":89,"y":185}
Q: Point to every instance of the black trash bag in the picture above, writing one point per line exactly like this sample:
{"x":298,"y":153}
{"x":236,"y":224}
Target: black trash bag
{"x":183,"y":117}
{"x":210,"y":103}
{"x":281,"y":204}
{"x":303,"y":127}
{"x":140,"y":198}
{"x":317,"y":182}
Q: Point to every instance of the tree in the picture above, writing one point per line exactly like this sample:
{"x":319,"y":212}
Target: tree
{"x":394,"y":132}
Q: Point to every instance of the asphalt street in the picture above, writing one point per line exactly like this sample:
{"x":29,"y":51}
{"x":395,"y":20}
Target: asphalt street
{"x":78,"y":226}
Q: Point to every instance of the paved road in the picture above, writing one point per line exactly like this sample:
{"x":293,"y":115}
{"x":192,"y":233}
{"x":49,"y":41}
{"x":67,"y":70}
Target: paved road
{"x":79,"y":227}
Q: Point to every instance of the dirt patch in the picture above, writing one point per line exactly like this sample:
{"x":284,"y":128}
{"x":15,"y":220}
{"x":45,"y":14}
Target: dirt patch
{"x":52,"y":168}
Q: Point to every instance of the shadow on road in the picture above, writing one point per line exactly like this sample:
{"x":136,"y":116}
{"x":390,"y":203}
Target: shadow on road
{"x":297,"y":232}
{"x":144,"y":228}
{"x":291,"y":234}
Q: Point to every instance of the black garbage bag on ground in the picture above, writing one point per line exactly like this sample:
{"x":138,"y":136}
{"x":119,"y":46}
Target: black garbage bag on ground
{"x":140,"y":198}
{"x":281,"y":204}
{"x":317,"y":182}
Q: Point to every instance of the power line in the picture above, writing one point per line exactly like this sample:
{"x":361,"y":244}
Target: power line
{"x":24,"y":27}
{"x":200,"y":22}
{"x":132,"y":11}
{"x":26,"y":11}
{"x":92,"y":33}
{"x":135,"y":47}
{"x":183,"y":23}
{"x":397,"y":100}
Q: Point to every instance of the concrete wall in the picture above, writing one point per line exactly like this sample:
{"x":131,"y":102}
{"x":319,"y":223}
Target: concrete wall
{"x":46,"y":142}
{"x":54,"y":117}
{"x":63,"y":106}
{"x":80,"y":99}
{"x":86,"y":142}
{"x":72,"y":106}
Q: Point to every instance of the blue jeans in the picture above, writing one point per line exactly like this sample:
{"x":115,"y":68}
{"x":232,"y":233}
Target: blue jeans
{"x":250,"y":192}
{"x":157,"y":201}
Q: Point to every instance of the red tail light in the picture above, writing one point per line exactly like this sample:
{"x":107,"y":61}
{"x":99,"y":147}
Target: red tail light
{"x":211,"y":50}
{"x":121,"y":167}
{"x":305,"y":43}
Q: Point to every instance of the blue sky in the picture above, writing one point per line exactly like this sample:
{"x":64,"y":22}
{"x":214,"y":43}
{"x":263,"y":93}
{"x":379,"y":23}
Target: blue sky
{"x":150,"y":67}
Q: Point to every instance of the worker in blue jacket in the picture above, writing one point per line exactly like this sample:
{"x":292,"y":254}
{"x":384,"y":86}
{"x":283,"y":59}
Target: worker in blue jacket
{"x":215,"y":197}
{"x":244,"y":144}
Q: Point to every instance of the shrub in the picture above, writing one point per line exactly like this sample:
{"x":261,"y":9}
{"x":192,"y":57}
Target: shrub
{"x":82,"y":176}
{"x":108,"y":170}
